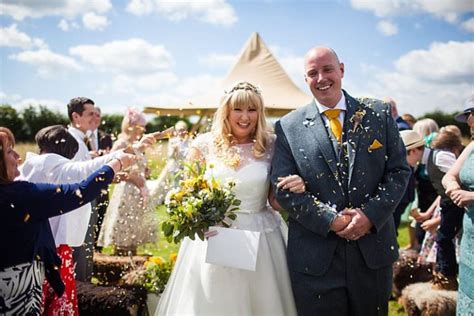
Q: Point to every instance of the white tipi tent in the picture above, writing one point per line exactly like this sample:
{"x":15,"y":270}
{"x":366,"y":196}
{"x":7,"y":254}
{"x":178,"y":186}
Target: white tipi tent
{"x":258,"y":66}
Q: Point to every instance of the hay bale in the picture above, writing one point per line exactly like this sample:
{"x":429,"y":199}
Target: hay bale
{"x":110,"y":269}
{"x":420,"y":299}
{"x":95,"y":300}
{"x":407,"y":271}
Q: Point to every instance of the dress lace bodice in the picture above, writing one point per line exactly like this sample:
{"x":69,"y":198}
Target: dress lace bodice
{"x":251,"y":175}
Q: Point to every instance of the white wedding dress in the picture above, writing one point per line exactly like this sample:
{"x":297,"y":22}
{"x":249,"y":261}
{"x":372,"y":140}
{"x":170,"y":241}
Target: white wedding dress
{"x":199,"y":288}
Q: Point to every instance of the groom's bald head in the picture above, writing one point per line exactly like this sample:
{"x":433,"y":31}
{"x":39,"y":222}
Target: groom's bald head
{"x":318,"y":51}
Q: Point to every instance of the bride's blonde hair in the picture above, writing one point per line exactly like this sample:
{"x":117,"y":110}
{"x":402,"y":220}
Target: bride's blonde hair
{"x":242,"y":95}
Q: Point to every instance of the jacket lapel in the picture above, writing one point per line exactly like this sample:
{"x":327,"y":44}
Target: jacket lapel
{"x":315,"y":124}
{"x":353,"y":130}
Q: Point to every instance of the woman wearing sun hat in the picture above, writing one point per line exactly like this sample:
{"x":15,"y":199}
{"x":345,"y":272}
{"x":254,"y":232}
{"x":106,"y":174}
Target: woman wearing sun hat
{"x":459,"y":184}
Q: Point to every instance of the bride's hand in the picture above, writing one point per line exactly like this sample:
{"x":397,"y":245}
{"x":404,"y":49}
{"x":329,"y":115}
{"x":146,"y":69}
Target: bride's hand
{"x":210,"y":233}
{"x":294,"y":183}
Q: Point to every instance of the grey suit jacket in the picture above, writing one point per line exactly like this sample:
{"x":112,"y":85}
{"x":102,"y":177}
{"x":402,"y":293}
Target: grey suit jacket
{"x":373,"y":178}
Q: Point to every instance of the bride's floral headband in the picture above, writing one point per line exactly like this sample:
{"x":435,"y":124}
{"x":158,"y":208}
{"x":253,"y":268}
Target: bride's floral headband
{"x":245,"y":86}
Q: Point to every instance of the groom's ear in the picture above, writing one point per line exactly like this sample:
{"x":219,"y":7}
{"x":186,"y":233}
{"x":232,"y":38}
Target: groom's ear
{"x":341,"y":67}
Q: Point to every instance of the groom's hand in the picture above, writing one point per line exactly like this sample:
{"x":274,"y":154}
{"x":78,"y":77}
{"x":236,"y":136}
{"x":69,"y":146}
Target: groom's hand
{"x":359,"y":226}
{"x":340,"y":222}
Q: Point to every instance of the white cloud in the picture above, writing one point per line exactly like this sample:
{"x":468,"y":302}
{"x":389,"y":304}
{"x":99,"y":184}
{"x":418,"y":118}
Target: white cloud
{"x":49,"y":64}
{"x":12,"y":37}
{"x":66,"y":25}
{"x":145,"y":84}
{"x":94,"y":21}
{"x":449,"y":10}
{"x":423,"y":80}
{"x":387,"y":28}
{"x":443,"y":62}
{"x":63,"y":25}
{"x":215,"y":60}
{"x":128,"y":56}
{"x":468,"y":25}
{"x":64,"y":8}
{"x":217,"y":12}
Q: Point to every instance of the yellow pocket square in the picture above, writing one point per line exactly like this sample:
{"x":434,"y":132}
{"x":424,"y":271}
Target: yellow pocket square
{"x":375,"y":145}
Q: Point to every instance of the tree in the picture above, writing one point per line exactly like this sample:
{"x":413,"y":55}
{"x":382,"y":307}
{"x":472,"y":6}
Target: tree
{"x":36,"y":118}
{"x":111,"y":123}
{"x":10,"y":118}
{"x":160,"y":123}
{"x":444,"y":119}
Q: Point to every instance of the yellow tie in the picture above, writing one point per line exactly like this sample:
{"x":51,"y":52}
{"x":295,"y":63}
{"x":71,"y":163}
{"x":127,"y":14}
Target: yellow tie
{"x":334,"y":124}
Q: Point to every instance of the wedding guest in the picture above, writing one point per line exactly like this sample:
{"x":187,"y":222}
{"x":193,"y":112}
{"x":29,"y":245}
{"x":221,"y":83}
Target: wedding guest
{"x":53,"y":165}
{"x":447,"y":147}
{"x":428,"y":128}
{"x":26,"y":242}
{"x":172,"y":173}
{"x":177,"y":150}
{"x":401,"y":123}
{"x":459,"y":185}
{"x":130,"y":220}
{"x":414,"y":146}
{"x":240,"y":148}
{"x":410,"y":119}
{"x":81,"y":114}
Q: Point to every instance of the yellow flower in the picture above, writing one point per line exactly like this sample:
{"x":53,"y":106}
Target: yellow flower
{"x":156,"y":260}
{"x":204,"y":185}
{"x":173,"y":257}
{"x":214,"y":183}
{"x":188,"y":183}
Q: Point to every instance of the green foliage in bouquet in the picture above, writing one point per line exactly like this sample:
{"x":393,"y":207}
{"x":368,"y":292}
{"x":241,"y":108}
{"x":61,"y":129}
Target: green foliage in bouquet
{"x":197,"y":204}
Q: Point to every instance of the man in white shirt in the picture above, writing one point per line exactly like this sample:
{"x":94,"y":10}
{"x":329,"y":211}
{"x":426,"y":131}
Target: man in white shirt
{"x":81,"y":115}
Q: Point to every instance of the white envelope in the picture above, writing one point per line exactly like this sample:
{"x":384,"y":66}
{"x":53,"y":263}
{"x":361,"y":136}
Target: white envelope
{"x":233,"y":248}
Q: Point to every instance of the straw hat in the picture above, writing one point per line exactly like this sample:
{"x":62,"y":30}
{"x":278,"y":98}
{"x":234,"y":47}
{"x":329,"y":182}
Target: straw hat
{"x":412,"y":139}
{"x":468,"y":108}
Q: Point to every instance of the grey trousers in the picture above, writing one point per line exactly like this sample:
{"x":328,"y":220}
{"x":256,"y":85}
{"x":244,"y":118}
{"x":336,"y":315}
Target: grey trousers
{"x":349,"y":287}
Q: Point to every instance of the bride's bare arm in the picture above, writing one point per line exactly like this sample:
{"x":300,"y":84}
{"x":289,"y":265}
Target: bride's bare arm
{"x":272,"y":200}
{"x":194,"y":154}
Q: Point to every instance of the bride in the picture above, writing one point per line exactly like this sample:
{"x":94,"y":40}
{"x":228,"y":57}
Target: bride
{"x":240,"y":148}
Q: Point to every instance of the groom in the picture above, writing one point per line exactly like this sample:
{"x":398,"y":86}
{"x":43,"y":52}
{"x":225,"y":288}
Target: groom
{"x":341,"y":240}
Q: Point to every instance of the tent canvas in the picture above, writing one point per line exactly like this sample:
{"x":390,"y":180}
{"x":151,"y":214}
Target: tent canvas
{"x":256,"y":65}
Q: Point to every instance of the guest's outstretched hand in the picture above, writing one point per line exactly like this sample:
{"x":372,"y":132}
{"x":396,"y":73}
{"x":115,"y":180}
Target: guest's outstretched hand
{"x":121,"y":161}
{"x":150,"y":139}
{"x":359,"y":226}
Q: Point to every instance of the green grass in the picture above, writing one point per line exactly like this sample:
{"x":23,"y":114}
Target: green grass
{"x":161,"y":248}
{"x":395,"y":309}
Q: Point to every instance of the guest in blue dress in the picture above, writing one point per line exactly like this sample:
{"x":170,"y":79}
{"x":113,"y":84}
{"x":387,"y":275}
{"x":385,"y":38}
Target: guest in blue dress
{"x":27,"y":248}
{"x":459,"y":184}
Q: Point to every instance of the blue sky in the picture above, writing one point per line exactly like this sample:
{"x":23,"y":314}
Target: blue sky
{"x":153,"y":52}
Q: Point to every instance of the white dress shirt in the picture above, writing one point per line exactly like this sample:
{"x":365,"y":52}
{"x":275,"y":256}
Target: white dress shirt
{"x":341,"y":105}
{"x":69,"y":228}
{"x":83,"y":152}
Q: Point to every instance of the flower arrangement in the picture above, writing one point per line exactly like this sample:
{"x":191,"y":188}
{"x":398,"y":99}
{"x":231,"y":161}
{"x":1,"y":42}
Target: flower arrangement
{"x":197,"y":204}
{"x":357,"y":118}
{"x":153,"y":275}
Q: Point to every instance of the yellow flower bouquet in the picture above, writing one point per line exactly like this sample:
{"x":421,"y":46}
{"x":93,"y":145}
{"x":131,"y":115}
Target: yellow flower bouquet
{"x":198,"y":203}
